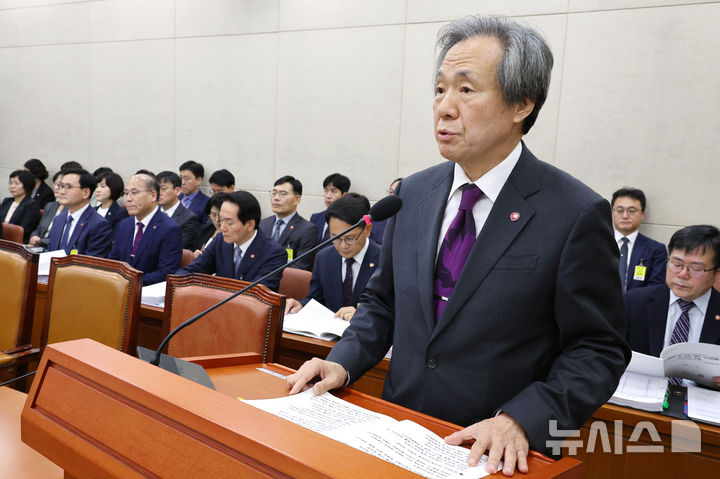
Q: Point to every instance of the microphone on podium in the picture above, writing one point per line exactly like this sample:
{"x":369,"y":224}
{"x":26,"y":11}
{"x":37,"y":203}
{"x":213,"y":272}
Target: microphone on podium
{"x":382,"y":210}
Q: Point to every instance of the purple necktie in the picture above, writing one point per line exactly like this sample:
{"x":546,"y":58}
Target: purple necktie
{"x":347,"y":285}
{"x":681,"y":331}
{"x":138,"y":238}
{"x":455,"y":248}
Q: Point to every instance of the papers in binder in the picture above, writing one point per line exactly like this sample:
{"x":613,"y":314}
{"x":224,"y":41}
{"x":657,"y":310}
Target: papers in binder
{"x":642,"y":385}
{"x":316,"y":321}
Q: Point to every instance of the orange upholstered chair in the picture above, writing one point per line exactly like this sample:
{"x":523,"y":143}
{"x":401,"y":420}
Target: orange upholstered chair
{"x":295,"y":283}
{"x":94,"y":298}
{"x":13,"y":232}
{"x":18,"y":270}
{"x":252,"y":322}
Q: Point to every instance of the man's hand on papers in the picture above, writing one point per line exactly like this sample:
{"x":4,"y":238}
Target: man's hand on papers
{"x":332,"y":376}
{"x":504,"y":438}
{"x":346,"y":313}
{"x":292,"y":306}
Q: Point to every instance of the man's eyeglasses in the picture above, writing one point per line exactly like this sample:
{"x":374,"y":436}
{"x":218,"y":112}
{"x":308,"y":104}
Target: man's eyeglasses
{"x":65,"y":186}
{"x":630,"y":211}
{"x":694,"y":270}
{"x":280,"y":193}
{"x":348,"y":240}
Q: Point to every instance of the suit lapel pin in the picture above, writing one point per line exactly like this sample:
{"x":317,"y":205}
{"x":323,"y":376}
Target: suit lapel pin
{"x":291,"y":227}
{"x":717,"y":317}
{"x":82,"y":224}
{"x":514,"y":216}
{"x":154,"y":227}
{"x":252,"y":256}
{"x":372,"y":265}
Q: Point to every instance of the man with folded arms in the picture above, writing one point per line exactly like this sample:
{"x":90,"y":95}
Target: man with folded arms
{"x":240,"y":250}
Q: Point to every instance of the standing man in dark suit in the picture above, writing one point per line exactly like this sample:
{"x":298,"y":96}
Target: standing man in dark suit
{"x":293,"y":232}
{"x":642,"y":260}
{"x":685,"y":308}
{"x":191,"y":176}
{"x":187,"y":220}
{"x":341,"y":273}
{"x":240,"y":250}
{"x":497,"y":286}
{"x":148,"y":240}
{"x":334,"y":186}
{"x":79,"y":229}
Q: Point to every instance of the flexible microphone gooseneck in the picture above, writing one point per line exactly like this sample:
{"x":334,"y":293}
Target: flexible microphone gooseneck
{"x":383,"y":209}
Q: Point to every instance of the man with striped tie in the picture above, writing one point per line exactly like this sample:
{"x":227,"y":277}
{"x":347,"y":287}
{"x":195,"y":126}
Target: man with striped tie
{"x":687,"y":307}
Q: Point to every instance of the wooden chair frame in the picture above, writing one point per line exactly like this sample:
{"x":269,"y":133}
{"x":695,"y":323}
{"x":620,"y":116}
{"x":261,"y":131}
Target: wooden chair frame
{"x":132,"y":306}
{"x":289,"y":283}
{"x":11,"y":232}
{"x":275,"y":301}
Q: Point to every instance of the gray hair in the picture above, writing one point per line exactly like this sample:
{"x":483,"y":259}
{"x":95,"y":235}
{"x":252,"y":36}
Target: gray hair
{"x":523,"y":71}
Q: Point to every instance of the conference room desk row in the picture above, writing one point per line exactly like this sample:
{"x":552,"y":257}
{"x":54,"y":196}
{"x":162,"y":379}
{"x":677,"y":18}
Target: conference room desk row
{"x":294,"y":349}
{"x":608,"y":442}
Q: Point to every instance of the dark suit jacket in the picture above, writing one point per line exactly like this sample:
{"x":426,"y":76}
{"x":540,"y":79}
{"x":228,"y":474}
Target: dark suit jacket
{"x":326,"y":282}
{"x":115,"y":214}
{"x":263,"y":256}
{"x":92,"y":235}
{"x":646,"y":311}
{"x":43,"y":228}
{"x":159,"y":252}
{"x":299,"y":235}
{"x":318,"y":219}
{"x":205,"y":233}
{"x":653,"y":256}
{"x":43,"y":195}
{"x":378,"y":231}
{"x":535,"y":324}
{"x":26,"y":215}
{"x":189,"y":224}
{"x":197,"y":206}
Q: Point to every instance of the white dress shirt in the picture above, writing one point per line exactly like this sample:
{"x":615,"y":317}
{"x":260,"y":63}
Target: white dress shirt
{"x":359,"y":258}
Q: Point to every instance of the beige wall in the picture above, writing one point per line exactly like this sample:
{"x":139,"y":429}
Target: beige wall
{"x":309,"y":87}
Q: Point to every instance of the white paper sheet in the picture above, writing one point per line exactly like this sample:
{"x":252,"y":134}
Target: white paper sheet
{"x":45,"y":259}
{"x":403,"y":443}
{"x":316,"y":321}
{"x":703,"y":405}
{"x":697,"y":362}
{"x":154,"y":294}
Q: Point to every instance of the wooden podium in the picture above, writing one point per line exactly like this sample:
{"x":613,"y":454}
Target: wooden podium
{"x":97,"y":412}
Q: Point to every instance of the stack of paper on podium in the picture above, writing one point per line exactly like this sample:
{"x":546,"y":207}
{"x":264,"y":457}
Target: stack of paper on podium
{"x":642,"y":385}
{"x":403,"y":443}
{"x":316,"y":321}
{"x":44,"y":263}
{"x":154,"y":294}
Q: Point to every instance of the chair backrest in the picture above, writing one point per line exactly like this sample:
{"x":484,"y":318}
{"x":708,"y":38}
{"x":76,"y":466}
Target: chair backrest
{"x":295,"y":283}
{"x":12,"y":232}
{"x":252,"y":322}
{"x":94,"y":298}
{"x":187,"y":258}
{"x":18,"y":270}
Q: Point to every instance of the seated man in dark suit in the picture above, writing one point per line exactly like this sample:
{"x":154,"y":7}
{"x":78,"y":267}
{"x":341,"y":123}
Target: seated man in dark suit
{"x":222,"y":181}
{"x":334,"y":186}
{"x":293,"y":232}
{"x":187,"y":220}
{"x":341,"y":273}
{"x":79,"y":229}
{"x":686,"y":308}
{"x":148,"y":240}
{"x":240,"y":250}
{"x":191,"y":176}
{"x":642,"y":260}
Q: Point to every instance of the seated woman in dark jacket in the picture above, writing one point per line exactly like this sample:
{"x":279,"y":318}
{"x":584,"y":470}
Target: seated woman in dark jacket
{"x":110,"y":187}
{"x":42,"y":193}
{"x":19,"y":209}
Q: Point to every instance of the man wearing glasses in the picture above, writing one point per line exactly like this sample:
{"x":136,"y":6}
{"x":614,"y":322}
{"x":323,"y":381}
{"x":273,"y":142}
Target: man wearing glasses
{"x":341,"y":273}
{"x":147,"y":240}
{"x":642,"y":260}
{"x":79,"y":229}
{"x":686,"y":308}
{"x":293,"y":232}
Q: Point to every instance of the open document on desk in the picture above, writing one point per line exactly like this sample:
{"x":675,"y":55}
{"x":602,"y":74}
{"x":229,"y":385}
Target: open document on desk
{"x":403,"y":443}
{"x":642,"y":385}
{"x":316,"y":321}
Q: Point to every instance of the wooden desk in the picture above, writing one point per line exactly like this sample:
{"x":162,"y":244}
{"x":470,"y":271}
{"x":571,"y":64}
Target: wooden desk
{"x":18,"y":460}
